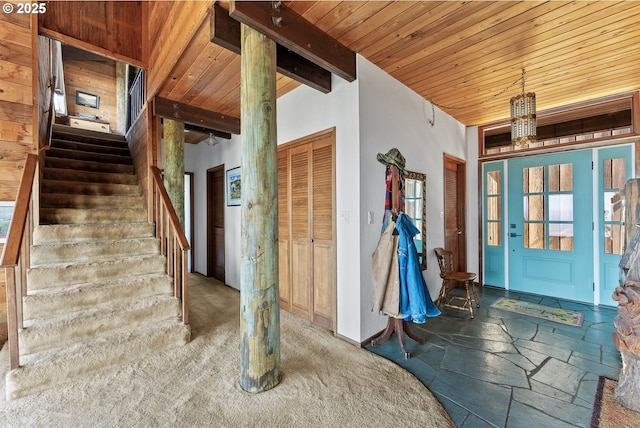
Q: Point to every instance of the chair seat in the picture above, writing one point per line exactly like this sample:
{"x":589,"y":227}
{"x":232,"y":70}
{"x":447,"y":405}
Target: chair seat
{"x":460,"y":276}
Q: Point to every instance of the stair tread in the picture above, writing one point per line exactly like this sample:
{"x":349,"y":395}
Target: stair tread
{"x":53,"y":173}
{"x":52,"y":367}
{"x":59,"y":354}
{"x":64,"y":141}
{"x":87,"y":165}
{"x":98,"y":188}
{"x":51,"y":233}
{"x":61,"y":215}
{"x":60,"y":129}
{"x":95,"y":242}
{"x":98,"y":311}
{"x":87,"y":286}
{"x":114,"y":260}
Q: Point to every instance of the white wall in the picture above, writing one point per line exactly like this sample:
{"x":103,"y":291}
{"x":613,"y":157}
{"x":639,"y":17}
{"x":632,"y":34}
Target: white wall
{"x":198,"y":159}
{"x":371,"y":115}
{"x":391,"y":115}
{"x":305,"y":111}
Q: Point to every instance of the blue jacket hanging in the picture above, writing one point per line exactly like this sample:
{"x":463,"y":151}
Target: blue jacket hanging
{"x":415,"y":300}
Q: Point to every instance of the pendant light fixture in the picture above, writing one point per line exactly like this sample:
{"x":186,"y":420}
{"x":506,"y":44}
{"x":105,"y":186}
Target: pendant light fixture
{"x":523,"y":117}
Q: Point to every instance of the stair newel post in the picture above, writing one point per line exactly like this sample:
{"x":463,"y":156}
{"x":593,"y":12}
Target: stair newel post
{"x":185,"y":289}
{"x":259,"y":295}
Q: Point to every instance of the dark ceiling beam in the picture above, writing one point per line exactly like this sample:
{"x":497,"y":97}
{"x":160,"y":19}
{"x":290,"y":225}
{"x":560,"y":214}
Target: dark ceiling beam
{"x":195,"y":116}
{"x":206,"y":131}
{"x":225,"y":31}
{"x":295,"y":33}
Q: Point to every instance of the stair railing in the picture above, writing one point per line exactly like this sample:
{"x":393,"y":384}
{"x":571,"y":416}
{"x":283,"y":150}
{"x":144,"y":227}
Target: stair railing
{"x":16,"y":256}
{"x":173,"y":241}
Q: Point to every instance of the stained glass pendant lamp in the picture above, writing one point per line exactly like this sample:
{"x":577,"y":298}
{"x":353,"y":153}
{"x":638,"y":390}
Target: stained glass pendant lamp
{"x":523,"y":117}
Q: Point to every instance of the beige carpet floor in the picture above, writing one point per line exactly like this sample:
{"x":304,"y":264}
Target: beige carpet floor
{"x":326,"y":382}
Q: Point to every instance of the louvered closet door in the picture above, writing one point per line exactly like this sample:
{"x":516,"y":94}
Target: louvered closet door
{"x":301,"y":271}
{"x":283,"y":230}
{"x":306,"y":228}
{"x":324,"y":271}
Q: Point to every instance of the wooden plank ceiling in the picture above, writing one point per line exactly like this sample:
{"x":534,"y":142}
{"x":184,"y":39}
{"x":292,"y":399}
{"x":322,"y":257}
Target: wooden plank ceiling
{"x":463,"y":56}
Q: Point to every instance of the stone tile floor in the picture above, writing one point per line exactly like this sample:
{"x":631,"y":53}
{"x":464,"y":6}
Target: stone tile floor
{"x":504,"y":369}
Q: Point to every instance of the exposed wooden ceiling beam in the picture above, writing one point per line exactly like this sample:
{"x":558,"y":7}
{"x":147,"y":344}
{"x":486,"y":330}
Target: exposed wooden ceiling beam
{"x":225,"y":31}
{"x":292,"y":31}
{"x":196,"y":116}
{"x":206,"y":131}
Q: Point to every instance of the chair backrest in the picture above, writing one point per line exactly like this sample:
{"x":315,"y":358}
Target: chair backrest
{"x":445,"y":261}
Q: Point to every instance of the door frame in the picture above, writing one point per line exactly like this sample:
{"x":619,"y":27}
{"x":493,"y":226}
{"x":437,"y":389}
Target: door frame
{"x":596,"y":219}
{"x":192,"y":210}
{"x":461,"y":207}
{"x":210,"y":226}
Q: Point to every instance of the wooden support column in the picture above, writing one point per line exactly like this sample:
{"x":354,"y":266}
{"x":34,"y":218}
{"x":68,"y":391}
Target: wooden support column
{"x":174,"y":164}
{"x":121,"y":97}
{"x":259,"y":295}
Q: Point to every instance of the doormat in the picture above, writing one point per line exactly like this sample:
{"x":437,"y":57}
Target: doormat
{"x":607,"y":413}
{"x":563,"y":316}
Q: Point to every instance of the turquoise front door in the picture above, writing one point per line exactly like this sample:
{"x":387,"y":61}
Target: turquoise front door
{"x":550,"y":225}
{"x":615,"y":167}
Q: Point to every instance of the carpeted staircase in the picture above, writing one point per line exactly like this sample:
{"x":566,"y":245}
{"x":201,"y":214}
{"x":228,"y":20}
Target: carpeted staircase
{"x":98,"y":295}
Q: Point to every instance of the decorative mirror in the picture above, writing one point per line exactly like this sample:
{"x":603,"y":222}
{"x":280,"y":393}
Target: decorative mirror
{"x":415,"y":194}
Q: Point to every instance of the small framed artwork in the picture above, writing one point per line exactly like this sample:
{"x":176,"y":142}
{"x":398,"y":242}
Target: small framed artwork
{"x":6,"y":213}
{"x":234,"y":185}
{"x":87,"y":100}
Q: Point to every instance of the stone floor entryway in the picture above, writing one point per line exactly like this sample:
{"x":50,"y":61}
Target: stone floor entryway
{"x":503,"y":369}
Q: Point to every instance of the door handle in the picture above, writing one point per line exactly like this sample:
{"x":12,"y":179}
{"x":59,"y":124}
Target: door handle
{"x":513,"y":235}
{"x":459,"y":232}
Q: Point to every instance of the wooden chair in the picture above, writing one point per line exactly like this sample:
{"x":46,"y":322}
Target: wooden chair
{"x":452,"y":280}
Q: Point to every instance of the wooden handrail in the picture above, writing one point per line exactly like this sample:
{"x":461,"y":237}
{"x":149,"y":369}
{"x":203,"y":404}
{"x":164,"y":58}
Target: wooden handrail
{"x":11,"y":251}
{"x":15,"y":257}
{"x":174,"y":244}
{"x":166,"y":201}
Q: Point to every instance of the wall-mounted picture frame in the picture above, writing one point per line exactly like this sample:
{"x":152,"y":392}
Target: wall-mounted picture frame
{"x":87,"y":100}
{"x":6,"y":214}
{"x":234,"y":186}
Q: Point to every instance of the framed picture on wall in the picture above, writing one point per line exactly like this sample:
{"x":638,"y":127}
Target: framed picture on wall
{"x":234,"y":185}
{"x":6,"y":213}
{"x":87,"y":100}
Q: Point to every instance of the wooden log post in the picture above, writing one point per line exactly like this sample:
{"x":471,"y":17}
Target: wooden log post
{"x":174,"y":164}
{"x":259,"y":295}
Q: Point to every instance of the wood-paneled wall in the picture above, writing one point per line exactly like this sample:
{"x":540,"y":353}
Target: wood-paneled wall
{"x":111,"y":28}
{"x":172,"y":25}
{"x":140,"y":141}
{"x":97,"y":78}
{"x":16,"y":100}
